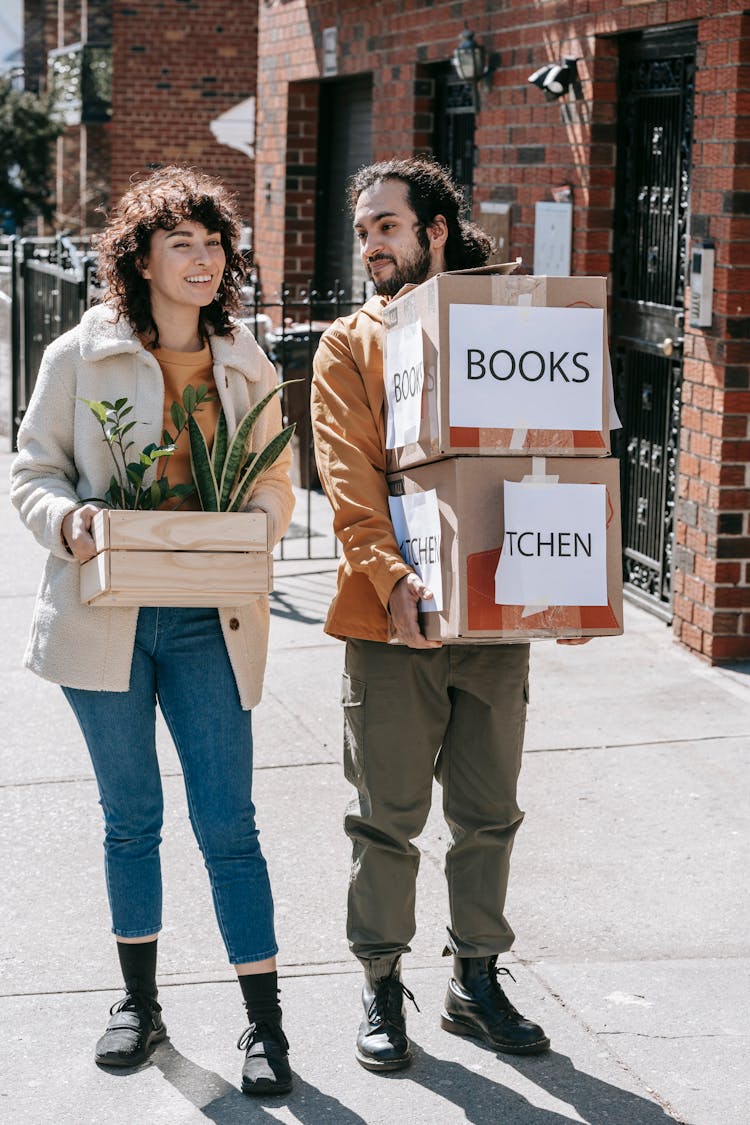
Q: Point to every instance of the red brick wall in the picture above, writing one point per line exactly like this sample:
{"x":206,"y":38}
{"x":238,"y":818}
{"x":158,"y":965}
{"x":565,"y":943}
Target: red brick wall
{"x":286,"y":63}
{"x":177,"y":65}
{"x":525,"y":146}
{"x":712,"y":602}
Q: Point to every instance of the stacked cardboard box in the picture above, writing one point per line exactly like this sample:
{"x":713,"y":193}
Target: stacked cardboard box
{"x":503,"y":494}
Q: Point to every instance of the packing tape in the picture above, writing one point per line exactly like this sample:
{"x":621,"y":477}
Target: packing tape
{"x":538,"y":475}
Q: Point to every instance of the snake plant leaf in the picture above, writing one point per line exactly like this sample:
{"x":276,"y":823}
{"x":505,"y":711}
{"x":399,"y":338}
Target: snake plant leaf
{"x":238,"y":449}
{"x":205,"y":481}
{"x":220,"y":446}
{"x":263,"y":461}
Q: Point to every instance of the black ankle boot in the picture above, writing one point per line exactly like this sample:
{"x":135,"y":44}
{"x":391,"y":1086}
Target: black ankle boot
{"x":476,"y":1005}
{"x":266,"y":1069}
{"x":382,"y":1043}
{"x":132,"y":1033}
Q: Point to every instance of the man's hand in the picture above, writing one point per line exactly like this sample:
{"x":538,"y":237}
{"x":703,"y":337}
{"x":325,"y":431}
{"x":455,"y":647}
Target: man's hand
{"x":76,"y":532}
{"x":402,"y":606}
{"x":573,"y":640}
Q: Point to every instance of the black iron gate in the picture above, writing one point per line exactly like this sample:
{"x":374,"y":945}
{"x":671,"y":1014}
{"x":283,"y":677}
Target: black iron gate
{"x":656,"y":87}
{"x":50,"y":281}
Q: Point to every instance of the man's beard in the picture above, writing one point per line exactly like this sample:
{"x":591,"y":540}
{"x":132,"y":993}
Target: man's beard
{"x":410,"y":271}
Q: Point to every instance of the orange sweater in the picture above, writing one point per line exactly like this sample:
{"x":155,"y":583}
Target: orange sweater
{"x":181,"y":369}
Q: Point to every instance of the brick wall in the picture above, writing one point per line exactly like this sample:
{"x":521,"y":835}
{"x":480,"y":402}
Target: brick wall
{"x":712,"y":600}
{"x":177,"y":65}
{"x":526,"y":145}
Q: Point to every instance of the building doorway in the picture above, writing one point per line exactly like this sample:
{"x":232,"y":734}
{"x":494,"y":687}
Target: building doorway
{"x":344,"y":145}
{"x":455,"y":123}
{"x":655,"y":126}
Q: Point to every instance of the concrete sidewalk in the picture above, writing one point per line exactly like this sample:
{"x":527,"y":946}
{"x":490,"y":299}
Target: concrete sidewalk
{"x":628,"y":897}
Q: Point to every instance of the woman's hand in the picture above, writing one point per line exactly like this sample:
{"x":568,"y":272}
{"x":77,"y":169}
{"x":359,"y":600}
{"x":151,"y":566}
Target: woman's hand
{"x":402,"y":606}
{"x":76,"y":532}
{"x":573,"y":640}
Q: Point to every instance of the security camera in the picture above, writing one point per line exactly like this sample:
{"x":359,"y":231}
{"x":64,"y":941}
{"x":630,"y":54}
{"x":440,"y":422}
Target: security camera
{"x":555,"y":79}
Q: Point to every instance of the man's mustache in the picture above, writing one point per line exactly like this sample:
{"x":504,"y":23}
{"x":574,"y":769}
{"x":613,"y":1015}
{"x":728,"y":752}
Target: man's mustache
{"x":381,"y":258}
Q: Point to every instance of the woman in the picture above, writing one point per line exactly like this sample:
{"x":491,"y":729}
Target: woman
{"x":168,"y":258}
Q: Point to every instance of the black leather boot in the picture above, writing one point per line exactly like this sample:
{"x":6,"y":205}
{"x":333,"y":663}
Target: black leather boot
{"x":382,"y":1042}
{"x":476,"y":1005}
{"x":266,"y":1069}
{"x":132,"y":1033}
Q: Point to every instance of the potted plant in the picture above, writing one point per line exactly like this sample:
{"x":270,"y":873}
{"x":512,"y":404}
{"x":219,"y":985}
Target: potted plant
{"x":147,"y":555}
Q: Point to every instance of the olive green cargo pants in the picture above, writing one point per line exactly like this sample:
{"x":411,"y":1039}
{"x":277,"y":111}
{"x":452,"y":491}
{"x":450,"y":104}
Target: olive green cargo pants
{"x":456,"y":713}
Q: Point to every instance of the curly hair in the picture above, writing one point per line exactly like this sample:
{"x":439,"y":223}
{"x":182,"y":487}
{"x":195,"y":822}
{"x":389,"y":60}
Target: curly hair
{"x":168,"y":196}
{"x":430,"y":191}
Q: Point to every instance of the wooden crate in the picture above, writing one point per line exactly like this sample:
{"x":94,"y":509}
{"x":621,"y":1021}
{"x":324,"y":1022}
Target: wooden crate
{"x":177,"y":559}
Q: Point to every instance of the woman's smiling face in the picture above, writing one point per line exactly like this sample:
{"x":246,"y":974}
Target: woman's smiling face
{"x":184,"y":267}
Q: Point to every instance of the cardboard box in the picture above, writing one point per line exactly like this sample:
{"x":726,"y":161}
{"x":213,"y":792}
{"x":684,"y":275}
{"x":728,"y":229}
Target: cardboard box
{"x":477,"y":362}
{"x":522,"y":547}
{"x":177,"y":559}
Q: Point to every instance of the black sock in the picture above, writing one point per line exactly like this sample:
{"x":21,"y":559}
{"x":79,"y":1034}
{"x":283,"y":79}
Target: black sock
{"x":261,"y":996}
{"x":138,"y":964}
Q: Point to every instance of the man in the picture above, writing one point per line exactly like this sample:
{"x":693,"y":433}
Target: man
{"x":415,"y":709}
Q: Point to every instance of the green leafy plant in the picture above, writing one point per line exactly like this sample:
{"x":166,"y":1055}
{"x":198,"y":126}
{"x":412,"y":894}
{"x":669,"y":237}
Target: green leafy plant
{"x":225,"y":475}
{"x":127,"y":489}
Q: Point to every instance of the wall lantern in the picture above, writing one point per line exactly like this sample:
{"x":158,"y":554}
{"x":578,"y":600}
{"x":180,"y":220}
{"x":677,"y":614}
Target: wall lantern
{"x":469,"y":60}
{"x":555,"y":79}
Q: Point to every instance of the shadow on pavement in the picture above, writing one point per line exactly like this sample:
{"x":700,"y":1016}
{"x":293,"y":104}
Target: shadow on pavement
{"x":223,"y":1103}
{"x":485,"y":1102}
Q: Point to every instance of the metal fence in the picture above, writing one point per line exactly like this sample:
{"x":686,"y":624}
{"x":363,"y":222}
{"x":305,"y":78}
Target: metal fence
{"x":51,"y":282}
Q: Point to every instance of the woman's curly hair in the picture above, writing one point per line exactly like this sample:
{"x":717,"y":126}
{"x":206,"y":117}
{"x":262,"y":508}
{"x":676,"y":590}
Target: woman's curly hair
{"x":166,"y":198}
{"x":430,"y":191}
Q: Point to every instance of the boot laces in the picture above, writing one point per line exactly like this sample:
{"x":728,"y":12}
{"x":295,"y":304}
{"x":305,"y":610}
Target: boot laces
{"x":387,"y":1002}
{"x":254,"y":1033}
{"x":494,"y":973}
{"x":139,"y":1002}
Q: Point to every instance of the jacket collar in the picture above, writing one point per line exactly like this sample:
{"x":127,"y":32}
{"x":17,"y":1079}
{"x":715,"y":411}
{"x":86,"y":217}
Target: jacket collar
{"x":374,"y":307}
{"x":102,"y":335}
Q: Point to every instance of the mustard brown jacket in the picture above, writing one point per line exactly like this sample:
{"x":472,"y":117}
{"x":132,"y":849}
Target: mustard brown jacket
{"x":62,"y":459}
{"x":347,"y":408}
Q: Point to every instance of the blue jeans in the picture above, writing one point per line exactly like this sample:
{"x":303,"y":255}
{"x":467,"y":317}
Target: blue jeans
{"x":180,"y":659}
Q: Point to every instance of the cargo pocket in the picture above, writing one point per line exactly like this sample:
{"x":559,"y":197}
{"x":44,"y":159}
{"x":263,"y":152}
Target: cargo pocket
{"x":353,"y":702}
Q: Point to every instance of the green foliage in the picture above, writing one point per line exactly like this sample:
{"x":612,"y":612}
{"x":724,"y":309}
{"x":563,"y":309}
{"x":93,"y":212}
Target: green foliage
{"x":224,"y":477}
{"x":28,"y":126}
{"x":126,"y":487}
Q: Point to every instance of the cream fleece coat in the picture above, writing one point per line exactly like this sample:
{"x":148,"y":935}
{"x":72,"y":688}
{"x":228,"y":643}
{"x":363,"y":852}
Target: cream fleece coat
{"x":63,"y":459}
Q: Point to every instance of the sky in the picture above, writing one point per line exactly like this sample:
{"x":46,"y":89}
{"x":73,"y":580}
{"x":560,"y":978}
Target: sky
{"x":10,"y":26}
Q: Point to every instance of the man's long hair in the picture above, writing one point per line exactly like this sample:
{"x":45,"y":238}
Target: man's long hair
{"x":165,"y":199}
{"x":430,"y":191}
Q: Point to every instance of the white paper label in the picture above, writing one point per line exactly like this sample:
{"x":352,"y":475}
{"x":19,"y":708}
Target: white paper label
{"x":526,"y":368}
{"x":403,"y":371}
{"x":416,"y":522}
{"x":555,"y":545}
